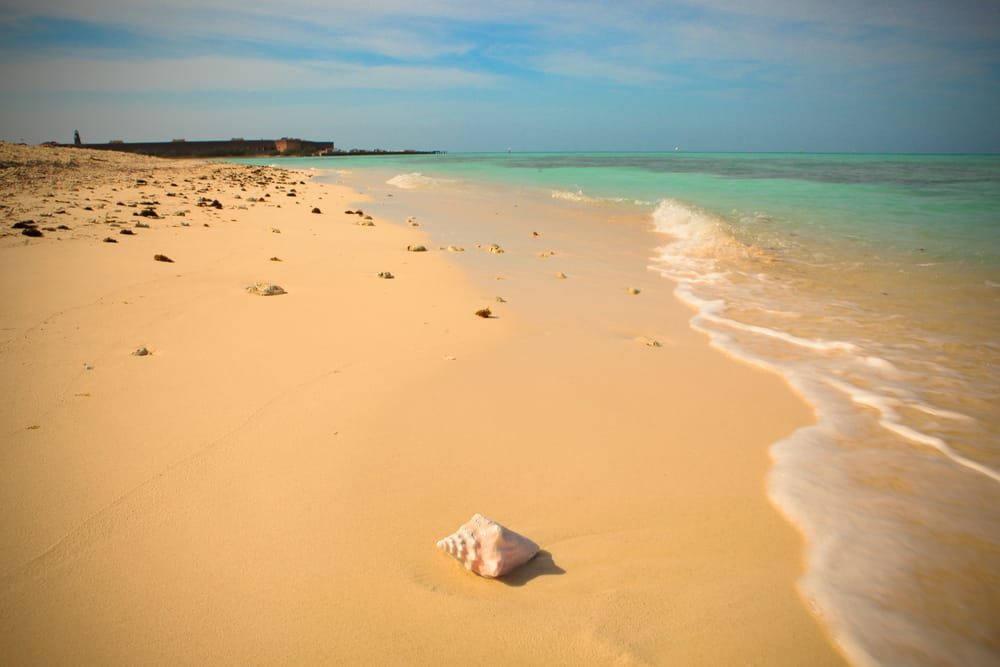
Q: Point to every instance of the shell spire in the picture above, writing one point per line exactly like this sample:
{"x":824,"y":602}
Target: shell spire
{"x":487,"y":548}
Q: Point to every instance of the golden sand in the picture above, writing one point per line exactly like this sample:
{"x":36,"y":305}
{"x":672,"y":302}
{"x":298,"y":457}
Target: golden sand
{"x":267,"y":484}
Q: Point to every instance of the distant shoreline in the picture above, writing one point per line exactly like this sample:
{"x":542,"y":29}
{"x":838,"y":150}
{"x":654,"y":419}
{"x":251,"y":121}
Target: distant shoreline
{"x":236,"y":148}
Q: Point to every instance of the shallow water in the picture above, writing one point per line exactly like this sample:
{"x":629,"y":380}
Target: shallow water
{"x":872,"y":283}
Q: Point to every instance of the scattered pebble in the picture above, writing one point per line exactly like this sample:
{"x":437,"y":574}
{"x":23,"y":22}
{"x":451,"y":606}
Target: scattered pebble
{"x":386,"y":275}
{"x":266,"y":289}
{"x":484,"y":313}
{"x":163,"y":258}
{"x":561,"y":276}
{"x":495,"y":249}
{"x":127,"y":232}
{"x":500,"y":299}
{"x":416,"y":248}
{"x":648,"y":342}
{"x":455,"y":248}
{"x":140,"y":352}
{"x":108,"y":239}
{"x":32,"y":231}
{"x":275,"y":230}
{"x":275,"y":259}
{"x":365,"y":223}
{"x":633,"y":290}
{"x":316,"y":210}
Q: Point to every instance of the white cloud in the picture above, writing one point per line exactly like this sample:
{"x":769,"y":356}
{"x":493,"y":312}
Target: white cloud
{"x":226,"y":74}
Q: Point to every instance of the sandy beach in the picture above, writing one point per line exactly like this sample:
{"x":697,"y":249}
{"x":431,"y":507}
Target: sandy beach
{"x":266,"y":483}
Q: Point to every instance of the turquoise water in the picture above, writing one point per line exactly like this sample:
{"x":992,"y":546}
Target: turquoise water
{"x":872,"y":283}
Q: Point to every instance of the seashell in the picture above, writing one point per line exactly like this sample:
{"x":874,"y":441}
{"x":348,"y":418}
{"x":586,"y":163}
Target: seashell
{"x":485,"y":547}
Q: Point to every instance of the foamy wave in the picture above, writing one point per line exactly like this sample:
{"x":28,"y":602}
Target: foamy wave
{"x":577,"y":196}
{"x":416,"y":180}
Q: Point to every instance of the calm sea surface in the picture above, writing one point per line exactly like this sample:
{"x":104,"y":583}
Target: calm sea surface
{"x":872,"y":283}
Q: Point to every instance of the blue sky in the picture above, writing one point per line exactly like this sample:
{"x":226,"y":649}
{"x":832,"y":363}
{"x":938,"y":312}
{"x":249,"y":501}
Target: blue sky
{"x":739,"y":75}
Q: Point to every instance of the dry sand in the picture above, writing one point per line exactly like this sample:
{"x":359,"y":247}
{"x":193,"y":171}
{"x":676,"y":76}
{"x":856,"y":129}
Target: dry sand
{"x":266,"y":486}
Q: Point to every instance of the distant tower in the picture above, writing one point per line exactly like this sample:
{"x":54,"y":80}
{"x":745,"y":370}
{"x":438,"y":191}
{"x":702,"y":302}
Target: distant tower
{"x":76,"y":137}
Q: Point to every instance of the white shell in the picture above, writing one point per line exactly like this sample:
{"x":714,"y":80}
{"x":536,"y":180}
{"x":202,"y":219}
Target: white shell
{"x":485,"y":547}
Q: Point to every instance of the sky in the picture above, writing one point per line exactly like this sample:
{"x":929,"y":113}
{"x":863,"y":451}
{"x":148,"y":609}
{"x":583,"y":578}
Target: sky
{"x":526,"y":75}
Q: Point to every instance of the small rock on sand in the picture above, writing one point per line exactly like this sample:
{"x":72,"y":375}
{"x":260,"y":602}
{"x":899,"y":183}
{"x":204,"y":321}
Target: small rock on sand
{"x":386,"y":275}
{"x":266,"y":289}
{"x":163,"y":258}
{"x":416,"y":248}
{"x":141,"y":352}
{"x":633,"y":290}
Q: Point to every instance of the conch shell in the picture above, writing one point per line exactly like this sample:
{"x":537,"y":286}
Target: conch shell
{"x":485,"y":547}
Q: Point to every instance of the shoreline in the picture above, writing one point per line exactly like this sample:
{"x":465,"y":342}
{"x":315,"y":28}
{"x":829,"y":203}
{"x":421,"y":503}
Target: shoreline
{"x":269,"y":486}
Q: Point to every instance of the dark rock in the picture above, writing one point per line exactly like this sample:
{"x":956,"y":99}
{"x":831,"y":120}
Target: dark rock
{"x":316,"y":210}
{"x":141,"y":352}
{"x":484,"y":313}
{"x":163,"y":258}
{"x":127,"y":232}
{"x":108,"y":239}
{"x":24,"y":224}
{"x":32,"y":231}
{"x":63,"y":227}
{"x":148,"y":213}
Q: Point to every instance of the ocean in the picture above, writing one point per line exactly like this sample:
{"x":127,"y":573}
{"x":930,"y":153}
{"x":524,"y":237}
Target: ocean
{"x":872,"y":284}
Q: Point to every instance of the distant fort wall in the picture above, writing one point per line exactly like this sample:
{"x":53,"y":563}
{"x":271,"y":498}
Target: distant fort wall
{"x":231,"y":148}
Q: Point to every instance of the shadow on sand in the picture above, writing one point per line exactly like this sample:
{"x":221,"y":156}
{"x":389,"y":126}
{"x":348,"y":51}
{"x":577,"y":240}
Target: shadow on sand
{"x":539,"y":566}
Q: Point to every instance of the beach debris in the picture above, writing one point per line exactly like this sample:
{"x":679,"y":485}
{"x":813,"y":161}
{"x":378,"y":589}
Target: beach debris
{"x":561,"y":276}
{"x":265,"y":289}
{"x":108,"y":239}
{"x":386,"y":275}
{"x":500,"y":299}
{"x":487,"y":548}
{"x":634,"y":290}
{"x":484,"y":313}
{"x":32,"y":231}
{"x":316,"y":210}
{"x":141,"y":352}
{"x":163,"y":258}
{"x":416,"y":248}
